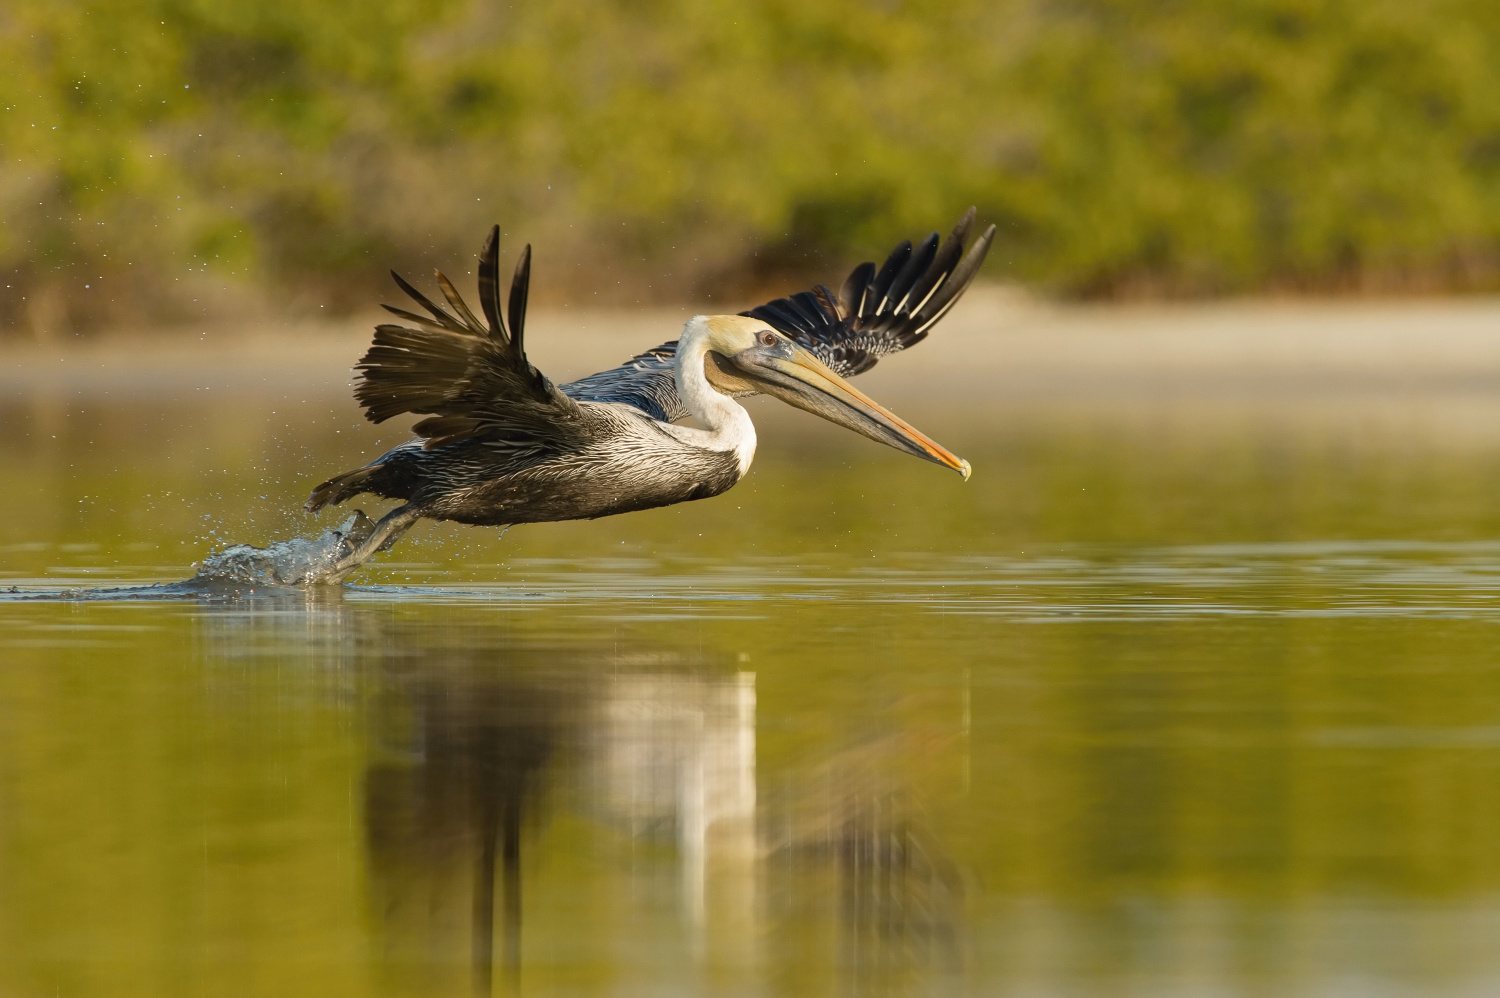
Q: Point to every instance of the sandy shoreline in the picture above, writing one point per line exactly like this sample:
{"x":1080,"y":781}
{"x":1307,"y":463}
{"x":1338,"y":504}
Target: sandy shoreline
{"x":996,"y":341}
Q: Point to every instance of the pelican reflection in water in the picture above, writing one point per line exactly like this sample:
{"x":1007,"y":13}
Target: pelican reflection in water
{"x":564,"y":778}
{"x":502,"y":445}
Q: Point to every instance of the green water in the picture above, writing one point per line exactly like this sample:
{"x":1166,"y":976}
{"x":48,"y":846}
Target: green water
{"x":1178,"y":696}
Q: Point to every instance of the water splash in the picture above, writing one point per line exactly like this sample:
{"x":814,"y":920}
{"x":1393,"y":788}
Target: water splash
{"x":294,"y":562}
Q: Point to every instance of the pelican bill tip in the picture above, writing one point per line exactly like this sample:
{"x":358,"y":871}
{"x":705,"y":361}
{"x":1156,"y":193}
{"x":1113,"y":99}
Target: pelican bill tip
{"x":964,"y":469}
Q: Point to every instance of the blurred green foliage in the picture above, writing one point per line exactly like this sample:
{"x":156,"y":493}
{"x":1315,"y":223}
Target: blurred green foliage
{"x":166,"y":158}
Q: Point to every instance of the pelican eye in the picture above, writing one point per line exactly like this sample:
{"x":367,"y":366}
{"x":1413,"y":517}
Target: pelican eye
{"x":767,"y":338}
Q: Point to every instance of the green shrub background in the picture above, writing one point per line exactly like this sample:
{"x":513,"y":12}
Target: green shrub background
{"x":191,"y":157}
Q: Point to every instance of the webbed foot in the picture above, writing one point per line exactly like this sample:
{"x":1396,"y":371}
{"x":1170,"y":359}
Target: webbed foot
{"x":362,"y":539}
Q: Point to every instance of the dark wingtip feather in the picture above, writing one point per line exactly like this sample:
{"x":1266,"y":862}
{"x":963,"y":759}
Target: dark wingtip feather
{"x":937,"y":306}
{"x":882,"y":311}
{"x":444,"y":319}
{"x":893,"y":264}
{"x":828,"y":303}
{"x":915,"y":268}
{"x":420,"y":320}
{"x":489,"y":284}
{"x":961,"y":229}
{"x":456,"y":301}
{"x":943,"y":262}
{"x":520,"y":290}
{"x":404,"y":285}
{"x":852,"y":295}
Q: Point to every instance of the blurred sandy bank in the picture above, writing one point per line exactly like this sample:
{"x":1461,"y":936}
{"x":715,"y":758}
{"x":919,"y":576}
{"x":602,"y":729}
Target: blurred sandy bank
{"x":997,"y":343}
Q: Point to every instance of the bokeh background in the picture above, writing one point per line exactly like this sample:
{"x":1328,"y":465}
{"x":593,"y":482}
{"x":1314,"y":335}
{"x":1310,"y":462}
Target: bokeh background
{"x":169,"y":160}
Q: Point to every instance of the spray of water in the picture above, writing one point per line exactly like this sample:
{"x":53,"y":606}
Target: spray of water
{"x":294,"y":562}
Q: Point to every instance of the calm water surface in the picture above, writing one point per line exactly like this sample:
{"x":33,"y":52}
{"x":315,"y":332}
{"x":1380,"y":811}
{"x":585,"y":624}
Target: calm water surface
{"x":1178,"y":696}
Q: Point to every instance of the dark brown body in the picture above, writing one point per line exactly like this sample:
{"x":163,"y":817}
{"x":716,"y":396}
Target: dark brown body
{"x":640,"y":465}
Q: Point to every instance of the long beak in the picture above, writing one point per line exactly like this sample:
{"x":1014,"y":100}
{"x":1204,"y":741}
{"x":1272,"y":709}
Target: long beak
{"x":798,"y":378}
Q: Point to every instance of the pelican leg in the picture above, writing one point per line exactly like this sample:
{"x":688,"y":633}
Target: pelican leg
{"x":366,"y":541}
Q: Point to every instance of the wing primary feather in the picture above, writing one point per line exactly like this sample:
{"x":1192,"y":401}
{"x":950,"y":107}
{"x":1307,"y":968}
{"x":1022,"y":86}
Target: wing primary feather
{"x":421,"y":320}
{"x":938,"y":305}
{"x":921,"y":259}
{"x":444,"y":319}
{"x":888,"y":272}
{"x":784,"y":314}
{"x":459,"y":305}
{"x":407,"y":370}
{"x":828,"y":304}
{"x":865,"y":298}
{"x":807,"y":305}
{"x":941,"y":275}
{"x":960,"y":233}
{"x":852,"y":295}
{"x":520,"y":289}
{"x":489,"y":285}
{"x":947,"y":258}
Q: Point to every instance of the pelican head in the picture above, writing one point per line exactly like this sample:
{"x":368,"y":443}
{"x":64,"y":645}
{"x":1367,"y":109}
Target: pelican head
{"x":747,"y":355}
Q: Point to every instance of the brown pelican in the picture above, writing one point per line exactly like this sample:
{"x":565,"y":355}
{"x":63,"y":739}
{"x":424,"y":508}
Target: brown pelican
{"x":501,"y":444}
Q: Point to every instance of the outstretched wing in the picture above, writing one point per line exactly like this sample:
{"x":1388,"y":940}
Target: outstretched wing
{"x":877,"y":313}
{"x":471,"y":379}
{"x":881,"y":312}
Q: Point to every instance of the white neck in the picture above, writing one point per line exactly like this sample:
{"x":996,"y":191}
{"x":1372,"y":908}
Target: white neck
{"x":726,"y":424}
